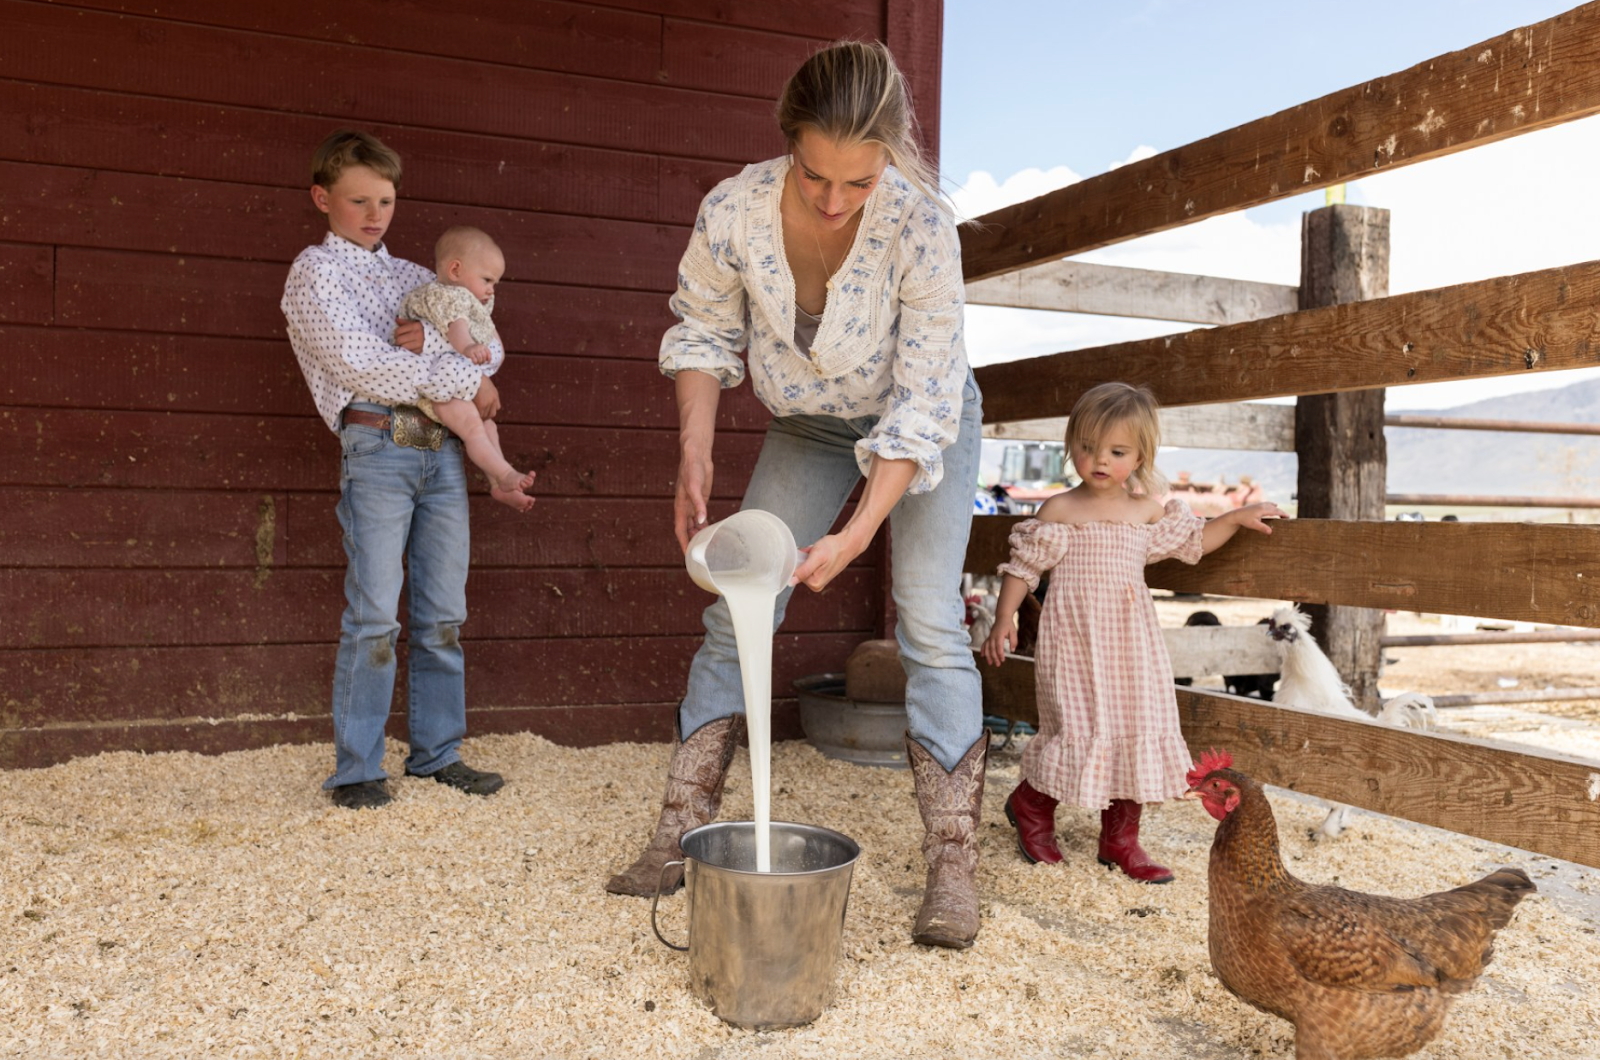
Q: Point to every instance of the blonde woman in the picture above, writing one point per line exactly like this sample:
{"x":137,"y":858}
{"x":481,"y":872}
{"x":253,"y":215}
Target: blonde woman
{"x":1108,"y":736}
{"x":837,"y":267}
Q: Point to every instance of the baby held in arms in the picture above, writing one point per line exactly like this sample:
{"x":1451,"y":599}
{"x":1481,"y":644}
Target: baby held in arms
{"x":468,"y":264}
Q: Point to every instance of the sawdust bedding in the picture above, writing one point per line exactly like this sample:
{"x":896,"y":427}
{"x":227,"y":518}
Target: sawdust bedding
{"x":188,"y":906}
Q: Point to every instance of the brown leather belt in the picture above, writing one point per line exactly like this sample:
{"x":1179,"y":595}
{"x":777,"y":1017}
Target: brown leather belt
{"x":367,"y":419}
{"x":406,"y":425}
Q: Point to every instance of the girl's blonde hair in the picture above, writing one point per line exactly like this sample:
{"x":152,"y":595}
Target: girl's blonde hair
{"x":1109,"y":404}
{"x":853,"y":93}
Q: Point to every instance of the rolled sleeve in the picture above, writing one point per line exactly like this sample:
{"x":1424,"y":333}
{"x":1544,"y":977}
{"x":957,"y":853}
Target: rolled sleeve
{"x":709,"y":302}
{"x":923,"y":413}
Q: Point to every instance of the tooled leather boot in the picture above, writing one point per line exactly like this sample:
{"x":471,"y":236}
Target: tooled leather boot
{"x":694,"y":794}
{"x":1033,"y":814}
{"x":949,"y":804}
{"x":1119,"y":843}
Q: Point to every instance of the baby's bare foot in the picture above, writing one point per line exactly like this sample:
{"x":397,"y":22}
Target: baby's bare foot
{"x":508,"y":489}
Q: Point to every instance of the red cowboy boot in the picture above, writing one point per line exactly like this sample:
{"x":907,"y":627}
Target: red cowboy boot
{"x":1033,"y":814}
{"x":1119,"y":843}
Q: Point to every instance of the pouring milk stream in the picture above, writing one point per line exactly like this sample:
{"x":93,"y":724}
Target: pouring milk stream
{"x":748,"y":559}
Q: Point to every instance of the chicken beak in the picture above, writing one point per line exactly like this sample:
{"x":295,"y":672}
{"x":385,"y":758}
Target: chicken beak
{"x":1191,"y":794}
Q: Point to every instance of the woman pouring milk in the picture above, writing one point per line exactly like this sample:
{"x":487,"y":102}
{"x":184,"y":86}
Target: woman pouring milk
{"x":838,"y":267}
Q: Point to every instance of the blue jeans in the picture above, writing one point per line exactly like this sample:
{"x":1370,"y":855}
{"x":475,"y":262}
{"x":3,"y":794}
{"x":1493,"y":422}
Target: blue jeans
{"x":400,"y":507}
{"x":804,"y":475}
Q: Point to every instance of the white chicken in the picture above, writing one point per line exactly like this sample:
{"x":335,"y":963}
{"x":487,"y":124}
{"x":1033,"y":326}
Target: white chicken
{"x":1309,"y":681}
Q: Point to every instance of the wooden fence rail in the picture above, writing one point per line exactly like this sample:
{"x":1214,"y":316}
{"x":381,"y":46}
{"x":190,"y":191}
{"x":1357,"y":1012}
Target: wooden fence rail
{"x":1509,"y":325}
{"x":1526,"y":799}
{"x":1529,"y":78}
{"x":1529,"y":571}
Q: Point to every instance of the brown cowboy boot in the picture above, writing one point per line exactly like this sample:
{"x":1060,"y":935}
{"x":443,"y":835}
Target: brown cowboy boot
{"x":693,"y":796}
{"x":950,"y":804}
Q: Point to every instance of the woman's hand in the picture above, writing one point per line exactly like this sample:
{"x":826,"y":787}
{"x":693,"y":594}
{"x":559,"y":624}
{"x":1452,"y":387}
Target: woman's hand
{"x":689,"y":505}
{"x":1002,"y":639}
{"x":824,"y":561}
{"x":697,"y":394}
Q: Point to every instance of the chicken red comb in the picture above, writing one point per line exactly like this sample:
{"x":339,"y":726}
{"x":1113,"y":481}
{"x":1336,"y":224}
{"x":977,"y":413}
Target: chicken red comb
{"x":1209,"y":761}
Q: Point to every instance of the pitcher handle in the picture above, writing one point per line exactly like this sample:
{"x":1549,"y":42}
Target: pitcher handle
{"x":655,"y":901}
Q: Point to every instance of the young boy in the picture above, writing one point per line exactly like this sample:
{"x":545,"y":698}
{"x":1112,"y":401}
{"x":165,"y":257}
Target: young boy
{"x":402,"y":485}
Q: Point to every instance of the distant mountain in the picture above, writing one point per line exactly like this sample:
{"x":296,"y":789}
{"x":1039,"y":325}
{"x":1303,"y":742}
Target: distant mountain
{"x":1426,"y":460}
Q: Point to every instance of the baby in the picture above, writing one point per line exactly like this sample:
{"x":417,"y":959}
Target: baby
{"x":467,"y":265}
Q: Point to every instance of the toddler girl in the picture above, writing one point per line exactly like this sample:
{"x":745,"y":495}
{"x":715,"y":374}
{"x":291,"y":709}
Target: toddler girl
{"x":1108,"y":716}
{"x":467,"y":265}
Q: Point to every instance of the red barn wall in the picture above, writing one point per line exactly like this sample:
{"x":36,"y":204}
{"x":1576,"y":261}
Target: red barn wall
{"x":170,"y":563}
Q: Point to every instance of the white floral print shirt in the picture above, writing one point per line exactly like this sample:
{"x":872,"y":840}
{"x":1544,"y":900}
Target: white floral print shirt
{"x":340,"y":303}
{"x":891,"y":341}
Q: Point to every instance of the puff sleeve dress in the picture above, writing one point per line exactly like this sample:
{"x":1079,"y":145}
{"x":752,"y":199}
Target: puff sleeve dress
{"x":1108,"y":717}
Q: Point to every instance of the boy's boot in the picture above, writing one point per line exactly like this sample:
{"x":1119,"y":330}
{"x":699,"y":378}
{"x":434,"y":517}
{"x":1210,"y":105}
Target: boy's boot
{"x":950,"y":804}
{"x":694,"y":794}
{"x":1119,"y":843}
{"x":1033,"y":814}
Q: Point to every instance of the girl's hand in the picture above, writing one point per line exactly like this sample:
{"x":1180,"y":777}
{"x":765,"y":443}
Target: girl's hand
{"x":1002,"y":640}
{"x":478,"y":353}
{"x":1253,"y":516}
{"x":824,"y":561}
{"x":689,"y":505}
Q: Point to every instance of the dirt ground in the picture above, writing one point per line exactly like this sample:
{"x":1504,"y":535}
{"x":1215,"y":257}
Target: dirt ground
{"x":177,"y":905}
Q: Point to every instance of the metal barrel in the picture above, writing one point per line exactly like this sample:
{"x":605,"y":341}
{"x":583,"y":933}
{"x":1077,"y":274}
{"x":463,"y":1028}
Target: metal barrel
{"x":763,"y":946}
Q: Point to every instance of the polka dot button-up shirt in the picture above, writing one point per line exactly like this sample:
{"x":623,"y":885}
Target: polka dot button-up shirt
{"x":340,"y":303}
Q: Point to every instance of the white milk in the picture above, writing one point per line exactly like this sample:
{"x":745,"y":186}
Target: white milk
{"x":751,"y":600}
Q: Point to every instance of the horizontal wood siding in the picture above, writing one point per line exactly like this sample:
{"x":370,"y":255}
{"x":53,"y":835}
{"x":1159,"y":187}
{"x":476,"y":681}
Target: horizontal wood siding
{"x":172,"y":564}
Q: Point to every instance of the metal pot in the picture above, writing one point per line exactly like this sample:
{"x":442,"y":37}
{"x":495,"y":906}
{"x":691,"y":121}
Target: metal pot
{"x":870,"y":734}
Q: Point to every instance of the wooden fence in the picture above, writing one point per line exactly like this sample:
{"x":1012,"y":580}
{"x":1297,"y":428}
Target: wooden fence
{"x":1335,"y":343}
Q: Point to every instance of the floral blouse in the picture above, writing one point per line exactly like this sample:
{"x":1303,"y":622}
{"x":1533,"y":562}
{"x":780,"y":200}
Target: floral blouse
{"x":891,"y":341}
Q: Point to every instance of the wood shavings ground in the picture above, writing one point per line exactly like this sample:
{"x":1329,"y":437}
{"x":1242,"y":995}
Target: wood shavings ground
{"x":186,"y":906}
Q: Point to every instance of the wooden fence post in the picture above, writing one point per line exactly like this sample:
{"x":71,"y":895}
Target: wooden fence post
{"x":1344,"y":257}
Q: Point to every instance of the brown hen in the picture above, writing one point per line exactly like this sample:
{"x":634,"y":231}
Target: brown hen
{"x":1359,"y":975}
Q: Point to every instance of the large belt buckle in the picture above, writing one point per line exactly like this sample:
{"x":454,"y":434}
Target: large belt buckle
{"x":410,"y":427}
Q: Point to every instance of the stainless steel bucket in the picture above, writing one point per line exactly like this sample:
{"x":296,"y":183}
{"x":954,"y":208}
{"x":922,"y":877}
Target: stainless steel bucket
{"x":763,"y":945}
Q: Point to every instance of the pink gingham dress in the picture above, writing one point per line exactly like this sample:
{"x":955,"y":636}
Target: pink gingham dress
{"x":1108,"y":718}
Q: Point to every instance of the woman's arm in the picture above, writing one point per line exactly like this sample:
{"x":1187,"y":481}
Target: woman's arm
{"x":698,"y":393}
{"x":887,"y":481}
{"x":929,"y":367}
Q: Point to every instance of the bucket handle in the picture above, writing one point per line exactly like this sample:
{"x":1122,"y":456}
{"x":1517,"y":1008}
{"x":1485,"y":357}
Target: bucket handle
{"x":655,"y":901}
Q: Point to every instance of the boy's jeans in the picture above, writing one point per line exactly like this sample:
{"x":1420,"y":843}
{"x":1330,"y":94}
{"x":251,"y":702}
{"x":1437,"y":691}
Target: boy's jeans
{"x":400,"y":507}
{"x":804,"y":476}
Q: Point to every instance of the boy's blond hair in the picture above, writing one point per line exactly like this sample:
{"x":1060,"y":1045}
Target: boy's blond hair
{"x":457,"y":242}
{"x":1108,"y":404}
{"x":352,"y":147}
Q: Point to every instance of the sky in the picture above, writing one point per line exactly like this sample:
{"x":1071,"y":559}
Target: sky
{"x":1037,"y":94}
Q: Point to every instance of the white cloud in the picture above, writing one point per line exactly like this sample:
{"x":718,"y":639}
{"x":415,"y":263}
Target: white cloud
{"x":1523,"y":204}
{"x":980,"y":192}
